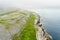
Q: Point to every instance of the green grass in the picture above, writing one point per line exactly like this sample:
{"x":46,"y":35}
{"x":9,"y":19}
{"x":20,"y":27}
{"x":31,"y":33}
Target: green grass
{"x":28,"y":32}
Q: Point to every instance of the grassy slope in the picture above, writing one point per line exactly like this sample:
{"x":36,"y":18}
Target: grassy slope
{"x":28,"y":32}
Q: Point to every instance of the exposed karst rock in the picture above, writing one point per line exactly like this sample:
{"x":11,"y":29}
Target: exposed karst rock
{"x":21,"y":25}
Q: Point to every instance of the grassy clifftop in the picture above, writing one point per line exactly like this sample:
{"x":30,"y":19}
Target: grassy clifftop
{"x":28,"y":32}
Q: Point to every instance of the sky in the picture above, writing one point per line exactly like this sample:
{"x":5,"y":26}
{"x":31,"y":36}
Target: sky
{"x":31,"y":4}
{"x":45,"y":8}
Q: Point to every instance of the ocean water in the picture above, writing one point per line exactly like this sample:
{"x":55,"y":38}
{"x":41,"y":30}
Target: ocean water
{"x":51,"y":22}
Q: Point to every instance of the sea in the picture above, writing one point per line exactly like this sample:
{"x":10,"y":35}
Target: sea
{"x":50,"y":18}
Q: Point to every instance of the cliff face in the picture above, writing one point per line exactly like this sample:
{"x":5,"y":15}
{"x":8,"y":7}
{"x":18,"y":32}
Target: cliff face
{"x":41,"y":34}
{"x":21,"y":25}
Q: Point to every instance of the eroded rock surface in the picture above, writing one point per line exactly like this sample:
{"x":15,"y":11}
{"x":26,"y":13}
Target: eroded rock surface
{"x":21,"y":25}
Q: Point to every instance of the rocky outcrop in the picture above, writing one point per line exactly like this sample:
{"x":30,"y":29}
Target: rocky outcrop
{"x":41,"y":34}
